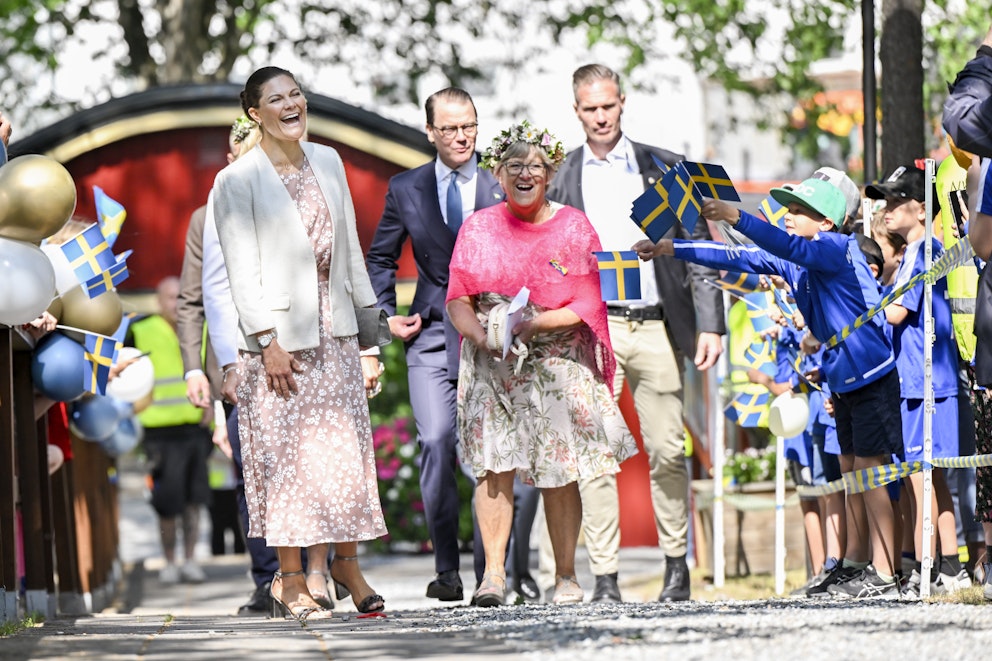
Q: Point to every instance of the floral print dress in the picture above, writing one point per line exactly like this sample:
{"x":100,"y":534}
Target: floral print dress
{"x":309,"y":464}
{"x":553,"y":423}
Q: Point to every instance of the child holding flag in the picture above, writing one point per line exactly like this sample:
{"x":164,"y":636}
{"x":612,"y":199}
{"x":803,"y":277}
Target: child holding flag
{"x":905,"y":214}
{"x":832,"y":285}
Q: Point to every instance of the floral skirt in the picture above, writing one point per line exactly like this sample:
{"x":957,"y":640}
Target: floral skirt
{"x":553,"y":423}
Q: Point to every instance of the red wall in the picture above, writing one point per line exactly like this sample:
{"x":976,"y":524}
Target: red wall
{"x":161,"y":178}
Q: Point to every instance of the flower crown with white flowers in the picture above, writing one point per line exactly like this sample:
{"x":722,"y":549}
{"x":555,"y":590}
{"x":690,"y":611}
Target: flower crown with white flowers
{"x":241,"y":128}
{"x":523,"y":132}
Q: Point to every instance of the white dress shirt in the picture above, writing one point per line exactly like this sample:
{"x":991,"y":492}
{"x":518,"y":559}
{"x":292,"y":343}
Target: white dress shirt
{"x":467,"y":180}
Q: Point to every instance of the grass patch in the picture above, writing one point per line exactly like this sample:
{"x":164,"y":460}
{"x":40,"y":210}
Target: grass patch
{"x":11,"y":628}
{"x":971,"y":596}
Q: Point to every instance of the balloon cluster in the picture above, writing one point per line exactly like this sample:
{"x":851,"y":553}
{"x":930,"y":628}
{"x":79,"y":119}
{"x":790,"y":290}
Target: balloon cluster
{"x":37,"y":197}
{"x":108,"y":421}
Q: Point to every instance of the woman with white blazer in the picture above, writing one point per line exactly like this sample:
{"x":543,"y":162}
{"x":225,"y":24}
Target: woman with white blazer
{"x":287,"y":229}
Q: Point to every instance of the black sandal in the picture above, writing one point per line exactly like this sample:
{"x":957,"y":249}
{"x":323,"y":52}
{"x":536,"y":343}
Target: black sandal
{"x":341,"y":591}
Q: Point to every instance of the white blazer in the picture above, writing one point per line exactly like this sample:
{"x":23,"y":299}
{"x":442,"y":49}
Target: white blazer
{"x":270,"y":263}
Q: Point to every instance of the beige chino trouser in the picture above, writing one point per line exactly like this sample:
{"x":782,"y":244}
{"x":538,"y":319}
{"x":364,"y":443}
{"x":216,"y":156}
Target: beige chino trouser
{"x":646,"y":360}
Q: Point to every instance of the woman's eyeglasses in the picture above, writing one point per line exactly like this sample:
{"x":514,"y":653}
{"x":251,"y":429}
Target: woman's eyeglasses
{"x":534,"y":169}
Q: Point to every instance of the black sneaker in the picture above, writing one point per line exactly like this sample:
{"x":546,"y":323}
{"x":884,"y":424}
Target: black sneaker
{"x":811,"y":583}
{"x":838,"y":574}
{"x":867,"y":585}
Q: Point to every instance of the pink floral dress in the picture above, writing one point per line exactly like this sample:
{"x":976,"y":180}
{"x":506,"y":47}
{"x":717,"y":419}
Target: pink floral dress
{"x":309,"y":464}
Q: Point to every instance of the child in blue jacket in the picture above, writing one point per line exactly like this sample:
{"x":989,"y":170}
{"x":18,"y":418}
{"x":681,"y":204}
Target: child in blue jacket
{"x":832,"y":286}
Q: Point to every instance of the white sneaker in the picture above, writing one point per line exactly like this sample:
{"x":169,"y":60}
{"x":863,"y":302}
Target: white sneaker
{"x":168,"y":575}
{"x":192,"y":573}
{"x":948,"y":584}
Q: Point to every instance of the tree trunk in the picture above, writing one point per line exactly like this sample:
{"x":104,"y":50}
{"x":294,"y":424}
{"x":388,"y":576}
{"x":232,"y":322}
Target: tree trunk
{"x":901,"y":55}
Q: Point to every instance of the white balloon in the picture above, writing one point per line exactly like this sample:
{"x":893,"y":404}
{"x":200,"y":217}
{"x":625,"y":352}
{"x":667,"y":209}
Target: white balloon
{"x":788,"y":414}
{"x":27,"y":282}
{"x":137,"y":379}
{"x":65,"y":278}
{"x":55,"y":458}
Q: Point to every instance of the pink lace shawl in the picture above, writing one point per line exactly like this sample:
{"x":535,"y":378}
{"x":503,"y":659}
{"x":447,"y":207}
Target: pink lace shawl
{"x":499,"y":253}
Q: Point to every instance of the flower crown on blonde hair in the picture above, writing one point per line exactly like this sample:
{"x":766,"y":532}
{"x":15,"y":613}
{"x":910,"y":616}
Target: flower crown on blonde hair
{"x":241,"y":128}
{"x":523,"y":132}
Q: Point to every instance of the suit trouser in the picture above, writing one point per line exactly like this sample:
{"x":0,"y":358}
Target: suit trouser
{"x":653,"y":373}
{"x":434,"y":399}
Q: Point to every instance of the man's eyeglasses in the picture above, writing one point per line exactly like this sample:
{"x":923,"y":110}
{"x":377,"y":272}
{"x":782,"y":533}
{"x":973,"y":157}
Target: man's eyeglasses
{"x":448,"y":132}
{"x":534,"y":169}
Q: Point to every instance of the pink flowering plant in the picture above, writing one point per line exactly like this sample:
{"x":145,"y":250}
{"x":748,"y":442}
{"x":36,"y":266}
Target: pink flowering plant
{"x":397,"y":457}
{"x":523,"y":132}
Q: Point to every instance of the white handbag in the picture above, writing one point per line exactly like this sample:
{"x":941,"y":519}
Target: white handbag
{"x":496,"y":336}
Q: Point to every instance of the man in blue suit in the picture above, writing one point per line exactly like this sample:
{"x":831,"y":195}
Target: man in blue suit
{"x":427,"y":205}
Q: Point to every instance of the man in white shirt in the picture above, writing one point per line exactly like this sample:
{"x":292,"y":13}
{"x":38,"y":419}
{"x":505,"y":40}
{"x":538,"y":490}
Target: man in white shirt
{"x":651,"y":336}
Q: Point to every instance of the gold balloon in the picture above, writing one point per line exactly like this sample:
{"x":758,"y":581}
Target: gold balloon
{"x":37,"y":197}
{"x":97,"y":315}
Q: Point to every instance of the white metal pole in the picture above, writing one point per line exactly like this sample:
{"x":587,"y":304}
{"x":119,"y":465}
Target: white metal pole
{"x":928,"y":406}
{"x":866,"y":216}
{"x":779,"y":515}
{"x":717,"y":449}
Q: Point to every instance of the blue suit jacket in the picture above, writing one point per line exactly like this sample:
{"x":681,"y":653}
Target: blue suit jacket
{"x":413,"y":211}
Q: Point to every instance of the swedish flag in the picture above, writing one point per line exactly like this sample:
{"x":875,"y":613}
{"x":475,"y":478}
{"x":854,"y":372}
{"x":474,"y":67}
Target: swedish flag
{"x":107,"y":280}
{"x":712,"y":181}
{"x":100,"y":355}
{"x":759,"y":356}
{"x":757,"y":311}
{"x":773,"y":212}
{"x":652,"y":211}
{"x":619,"y":275}
{"x":684,"y":197}
{"x":88,"y":253}
{"x":745,"y":409}
{"x":740,"y":284}
{"x":787,"y":307}
{"x":110,"y":213}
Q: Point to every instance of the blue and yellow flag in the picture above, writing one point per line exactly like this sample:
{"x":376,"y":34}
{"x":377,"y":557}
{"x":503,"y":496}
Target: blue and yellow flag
{"x":740,"y":284}
{"x":787,"y":307}
{"x":759,"y":356}
{"x":684,"y":197}
{"x":619,"y":275}
{"x":745,"y":409}
{"x":773,"y":212}
{"x":100,"y":355}
{"x":757,"y":311}
{"x":110,"y":213}
{"x":88,"y":253}
{"x":121,"y":333}
{"x":712,"y":181}
{"x":652,"y":211}
{"x":107,"y":280}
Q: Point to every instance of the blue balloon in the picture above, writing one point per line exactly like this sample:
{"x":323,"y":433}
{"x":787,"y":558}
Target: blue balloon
{"x":94,"y":418}
{"x":124,"y":439}
{"x":58,"y":368}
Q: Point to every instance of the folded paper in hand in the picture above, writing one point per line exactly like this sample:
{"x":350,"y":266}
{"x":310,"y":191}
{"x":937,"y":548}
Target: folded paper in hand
{"x":514,"y":315}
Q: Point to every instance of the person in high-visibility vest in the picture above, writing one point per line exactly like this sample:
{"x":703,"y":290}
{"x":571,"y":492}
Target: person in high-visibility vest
{"x":176,"y":442}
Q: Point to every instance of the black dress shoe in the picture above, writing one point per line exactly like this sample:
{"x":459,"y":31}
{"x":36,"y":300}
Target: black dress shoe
{"x":676,"y":580}
{"x":607,"y":590}
{"x":260,"y":602}
{"x":447,"y":586}
{"x":527,"y":588}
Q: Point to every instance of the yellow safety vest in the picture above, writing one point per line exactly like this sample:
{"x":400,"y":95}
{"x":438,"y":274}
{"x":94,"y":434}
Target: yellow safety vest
{"x":962,"y":282}
{"x":740,"y":335}
{"x":169,"y":406}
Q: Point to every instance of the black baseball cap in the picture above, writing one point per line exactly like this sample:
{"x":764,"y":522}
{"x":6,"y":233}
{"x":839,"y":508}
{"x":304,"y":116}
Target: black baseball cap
{"x":906,"y":181}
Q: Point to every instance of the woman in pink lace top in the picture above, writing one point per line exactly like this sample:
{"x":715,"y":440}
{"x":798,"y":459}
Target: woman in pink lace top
{"x":551,"y":419}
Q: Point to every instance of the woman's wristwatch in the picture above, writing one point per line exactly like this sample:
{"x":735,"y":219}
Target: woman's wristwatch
{"x":265,"y":339}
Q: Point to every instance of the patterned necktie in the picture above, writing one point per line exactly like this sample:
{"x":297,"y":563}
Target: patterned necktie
{"x":454,"y":204}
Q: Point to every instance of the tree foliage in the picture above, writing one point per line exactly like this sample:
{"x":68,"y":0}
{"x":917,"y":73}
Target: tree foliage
{"x":388,"y":46}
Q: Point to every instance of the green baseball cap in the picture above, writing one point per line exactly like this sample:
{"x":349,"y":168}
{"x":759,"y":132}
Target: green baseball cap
{"x":821,"y":196}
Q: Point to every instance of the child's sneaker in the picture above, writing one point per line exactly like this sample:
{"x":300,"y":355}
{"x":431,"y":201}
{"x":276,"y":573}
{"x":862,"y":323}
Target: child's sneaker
{"x":867,"y":585}
{"x":911,"y":591}
{"x":948,"y":584}
{"x":838,"y":574}
{"x":192,"y":573}
{"x":169,"y":574}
